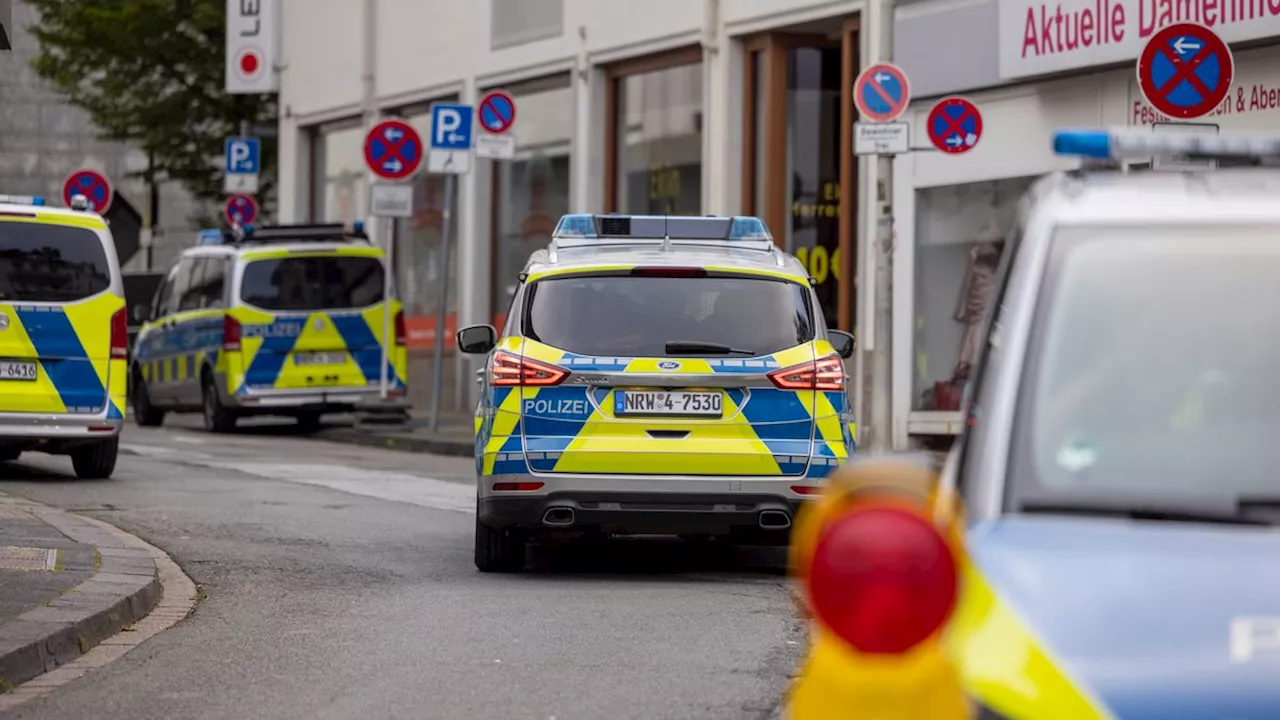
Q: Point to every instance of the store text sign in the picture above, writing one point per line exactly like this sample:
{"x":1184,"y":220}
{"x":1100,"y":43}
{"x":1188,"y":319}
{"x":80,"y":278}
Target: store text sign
{"x":1047,"y":36}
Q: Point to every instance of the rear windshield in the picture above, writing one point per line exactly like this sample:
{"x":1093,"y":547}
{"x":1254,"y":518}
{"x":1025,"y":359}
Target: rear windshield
{"x":638,"y":316}
{"x":51,"y":263}
{"x":312,"y":283}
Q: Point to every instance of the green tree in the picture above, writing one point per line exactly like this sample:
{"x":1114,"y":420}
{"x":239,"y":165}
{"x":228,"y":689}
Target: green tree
{"x":152,"y":73}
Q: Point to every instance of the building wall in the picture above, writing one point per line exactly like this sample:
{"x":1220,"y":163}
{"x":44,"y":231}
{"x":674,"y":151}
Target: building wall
{"x":43,"y":139}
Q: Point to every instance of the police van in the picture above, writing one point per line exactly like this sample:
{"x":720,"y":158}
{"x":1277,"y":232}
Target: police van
{"x":656,"y":375}
{"x":63,"y":335}
{"x":286,"y":320}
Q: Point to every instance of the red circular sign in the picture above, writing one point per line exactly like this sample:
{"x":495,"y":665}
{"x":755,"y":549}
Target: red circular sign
{"x":249,"y":63}
{"x":93,"y":185}
{"x":241,"y":210}
{"x":1185,"y":71}
{"x":393,"y":150}
{"x":881,"y":93}
{"x":497,"y":112}
{"x":954,"y":125}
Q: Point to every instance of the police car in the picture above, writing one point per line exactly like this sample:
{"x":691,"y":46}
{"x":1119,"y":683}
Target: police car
{"x":1120,"y":465}
{"x":288,"y":320}
{"x":657,"y":375}
{"x":63,"y":335}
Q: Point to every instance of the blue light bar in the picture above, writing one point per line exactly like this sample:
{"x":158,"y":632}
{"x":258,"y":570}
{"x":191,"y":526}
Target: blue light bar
{"x":357,"y":227}
{"x":209,"y":237}
{"x":576,"y":226}
{"x":35,"y":200}
{"x":649,"y":228}
{"x":1145,"y":143}
{"x":749,"y":228}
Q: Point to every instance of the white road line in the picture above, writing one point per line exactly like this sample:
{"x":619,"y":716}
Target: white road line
{"x":381,"y":484}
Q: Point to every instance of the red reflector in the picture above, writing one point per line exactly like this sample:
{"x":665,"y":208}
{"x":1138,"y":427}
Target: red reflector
{"x":805,"y":489}
{"x":517,"y":486}
{"x":669,"y":271}
{"x":400,"y":335}
{"x":230,"y":334}
{"x":883,"y":579}
{"x":100,"y":428}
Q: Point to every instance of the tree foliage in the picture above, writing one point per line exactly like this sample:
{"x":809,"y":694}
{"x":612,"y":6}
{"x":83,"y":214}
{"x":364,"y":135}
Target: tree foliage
{"x":152,"y":73}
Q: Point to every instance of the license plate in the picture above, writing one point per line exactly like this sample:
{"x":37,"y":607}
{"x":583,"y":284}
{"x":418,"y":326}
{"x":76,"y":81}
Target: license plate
{"x":15,"y":370}
{"x":320,"y":358}
{"x":656,"y":402}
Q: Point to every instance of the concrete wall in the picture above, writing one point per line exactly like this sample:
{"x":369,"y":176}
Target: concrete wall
{"x":43,"y":139}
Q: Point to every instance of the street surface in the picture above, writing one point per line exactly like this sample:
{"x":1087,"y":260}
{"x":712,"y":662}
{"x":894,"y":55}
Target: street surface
{"x":337,"y":582}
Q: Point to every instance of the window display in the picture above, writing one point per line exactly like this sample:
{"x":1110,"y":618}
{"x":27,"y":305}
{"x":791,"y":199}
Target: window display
{"x":659,"y":141}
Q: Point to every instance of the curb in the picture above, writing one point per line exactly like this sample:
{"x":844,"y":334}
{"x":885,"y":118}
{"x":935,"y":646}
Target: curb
{"x":124,"y":589}
{"x":402,"y":442}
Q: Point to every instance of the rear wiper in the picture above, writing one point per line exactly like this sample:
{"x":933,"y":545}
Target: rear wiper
{"x":693,"y":346}
{"x":1167,"y":513}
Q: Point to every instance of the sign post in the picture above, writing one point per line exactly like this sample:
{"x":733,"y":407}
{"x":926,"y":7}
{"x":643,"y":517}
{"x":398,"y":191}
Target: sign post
{"x":393,"y":152}
{"x":1185,"y":71}
{"x":243,"y":165}
{"x":93,"y":185}
{"x":881,"y":94}
{"x":450,"y":155}
{"x":241,"y":210}
{"x":954,"y":125}
{"x":496,"y":113}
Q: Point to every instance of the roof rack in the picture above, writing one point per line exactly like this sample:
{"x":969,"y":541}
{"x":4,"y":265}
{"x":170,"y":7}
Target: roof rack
{"x":584,"y":230}
{"x":1111,"y":148}
{"x":271,"y":234}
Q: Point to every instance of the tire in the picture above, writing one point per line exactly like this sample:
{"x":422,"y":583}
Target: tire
{"x":9,"y":454}
{"x":217,"y":419}
{"x":500,"y":550}
{"x":309,"y":422}
{"x":144,"y":413}
{"x":96,"y":461}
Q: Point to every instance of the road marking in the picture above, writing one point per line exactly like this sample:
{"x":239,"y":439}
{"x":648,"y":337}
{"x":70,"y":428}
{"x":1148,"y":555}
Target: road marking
{"x":381,"y":484}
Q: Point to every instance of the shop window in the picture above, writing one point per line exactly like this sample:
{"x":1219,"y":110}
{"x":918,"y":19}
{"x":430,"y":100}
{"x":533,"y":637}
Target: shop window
{"x":657,"y":141}
{"x":531,"y":191}
{"x":515,"y":22}
{"x":960,"y":232}
{"x":340,"y":173}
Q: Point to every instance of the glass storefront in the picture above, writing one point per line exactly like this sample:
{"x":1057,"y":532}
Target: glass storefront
{"x":812,"y":225}
{"x":659,"y":141}
{"x":531,"y":191}
{"x":960,"y":232}
{"x":340,"y":190}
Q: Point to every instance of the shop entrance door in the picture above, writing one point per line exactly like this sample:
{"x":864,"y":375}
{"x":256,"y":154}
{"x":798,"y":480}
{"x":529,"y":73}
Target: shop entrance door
{"x":800,"y":174}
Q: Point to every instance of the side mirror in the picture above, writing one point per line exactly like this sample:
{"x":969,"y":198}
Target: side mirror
{"x":477,"y":339}
{"x":141,"y":312}
{"x":843,"y":342}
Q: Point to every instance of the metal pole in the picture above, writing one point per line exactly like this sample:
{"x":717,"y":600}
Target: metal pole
{"x":386,"y":318}
{"x":437,"y":365}
{"x":153,"y":209}
{"x":882,"y":252}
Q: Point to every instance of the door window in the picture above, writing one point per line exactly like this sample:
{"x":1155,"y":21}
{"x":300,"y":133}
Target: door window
{"x":189,"y":284}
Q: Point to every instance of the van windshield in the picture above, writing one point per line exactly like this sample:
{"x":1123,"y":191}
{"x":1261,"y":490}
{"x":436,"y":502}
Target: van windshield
{"x":637,"y":316}
{"x":313,"y":282}
{"x":51,"y":263}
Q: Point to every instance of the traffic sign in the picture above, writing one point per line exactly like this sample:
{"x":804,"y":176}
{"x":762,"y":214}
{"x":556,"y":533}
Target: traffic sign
{"x":393,"y":150}
{"x":451,"y":126}
{"x":881,"y":93}
{"x":497,"y":112}
{"x":954,"y":125}
{"x":1185,"y":71}
{"x":241,"y":210}
{"x":90,"y":183}
{"x":449,"y":162}
{"x":244,"y":156}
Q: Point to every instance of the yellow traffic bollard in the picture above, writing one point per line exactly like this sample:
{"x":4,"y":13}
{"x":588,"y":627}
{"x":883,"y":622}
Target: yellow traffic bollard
{"x":877,"y":562}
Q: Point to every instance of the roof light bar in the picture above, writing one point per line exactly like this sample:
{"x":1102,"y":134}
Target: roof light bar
{"x":1139,"y":144}
{"x":35,"y":200}
{"x":679,"y":228}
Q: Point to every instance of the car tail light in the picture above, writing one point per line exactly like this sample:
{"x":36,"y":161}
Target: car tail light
{"x":120,"y":334}
{"x":883,"y":578}
{"x":517,"y":486}
{"x":806,"y":489}
{"x":669,"y":272}
{"x":230,"y":334}
{"x":400,"y":335}
{"x":822,"y":374}
{"x":508,"y":370}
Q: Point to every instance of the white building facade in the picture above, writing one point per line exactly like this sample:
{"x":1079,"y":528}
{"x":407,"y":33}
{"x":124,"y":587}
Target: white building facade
{"x":728,"y":106}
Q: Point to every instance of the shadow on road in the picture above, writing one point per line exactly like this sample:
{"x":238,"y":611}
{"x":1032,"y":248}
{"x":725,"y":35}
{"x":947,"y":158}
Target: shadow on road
{"x":20,"y":472}
{"x":655,"y":559}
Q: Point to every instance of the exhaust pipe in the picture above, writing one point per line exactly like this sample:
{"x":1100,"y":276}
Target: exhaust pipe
{"x":774,"y":520}
{"x":558,"y":517}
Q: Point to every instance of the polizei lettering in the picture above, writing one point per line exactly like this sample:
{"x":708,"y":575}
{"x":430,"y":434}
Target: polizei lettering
{"x":549,"y":407}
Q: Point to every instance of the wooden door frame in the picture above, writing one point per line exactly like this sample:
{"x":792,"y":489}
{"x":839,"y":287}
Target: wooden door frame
{"x":774,"y":48}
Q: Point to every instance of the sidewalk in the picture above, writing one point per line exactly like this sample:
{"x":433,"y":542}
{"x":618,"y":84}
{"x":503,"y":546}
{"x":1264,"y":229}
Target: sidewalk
{"x":66,"y":585}
{"x":455,"y":435}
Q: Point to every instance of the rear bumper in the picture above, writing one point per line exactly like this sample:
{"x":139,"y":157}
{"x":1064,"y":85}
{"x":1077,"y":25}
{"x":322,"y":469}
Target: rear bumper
{"x":299,"y":399}
{"x":43,"y":426}
{"x":645,"y":505}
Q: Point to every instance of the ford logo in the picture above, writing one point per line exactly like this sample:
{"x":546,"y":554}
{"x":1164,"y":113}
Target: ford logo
{"x":319,"y":324}
{"x":669,"y":365}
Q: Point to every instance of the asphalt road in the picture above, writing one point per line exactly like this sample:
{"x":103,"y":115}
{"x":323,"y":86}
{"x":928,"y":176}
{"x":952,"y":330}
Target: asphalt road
{"x":338,"y":583}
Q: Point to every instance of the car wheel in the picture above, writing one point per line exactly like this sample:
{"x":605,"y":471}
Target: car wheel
{"x":96,"y":461}
{"x":217,"y":418}
{"x":144,"y":413}
{"x":500,"y":550}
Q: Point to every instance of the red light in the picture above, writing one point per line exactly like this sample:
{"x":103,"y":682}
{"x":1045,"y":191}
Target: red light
{"x":822,"y":374}
{"x":669,"y":272}
{"x":120,"y":334}
{"x":100,"y":428}
{"x":508,"y":370}
{"x":400,"y":335}
{"x":805,"y":489}
{"x":230,"y":334}
{"x":883,"y":579}
{"x":517,"y":486}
